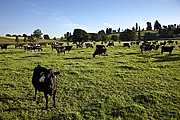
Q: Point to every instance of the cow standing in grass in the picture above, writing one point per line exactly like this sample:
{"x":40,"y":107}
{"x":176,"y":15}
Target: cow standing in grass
{"x":167,"y":49}
{"x":44,"y":80}
{"x":126,"y":45}
{"x":3,"y":46}
{"x":100,"y":49}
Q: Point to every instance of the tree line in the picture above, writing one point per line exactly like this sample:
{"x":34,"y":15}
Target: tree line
{"x":79,"y":35}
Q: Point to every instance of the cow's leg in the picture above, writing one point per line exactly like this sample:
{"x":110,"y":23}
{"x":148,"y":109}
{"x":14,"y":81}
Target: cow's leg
{"x":46,"y":97}
{"x":170,"y":52}
{"x":162,"y":51}
{"x":35,"y":94}
{"x":54,"y":99}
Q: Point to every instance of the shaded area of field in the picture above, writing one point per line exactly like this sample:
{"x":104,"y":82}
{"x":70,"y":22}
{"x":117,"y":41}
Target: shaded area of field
{"x":123,"y":85}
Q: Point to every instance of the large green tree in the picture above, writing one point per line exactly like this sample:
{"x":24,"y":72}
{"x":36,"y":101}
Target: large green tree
{"x":95,"y":37}
{"x":128,"y":35}
{"x":157,"y":25}
{"x":37,"y":33}
{"x":150,"y":36}
{"x":103,"y":35}
{"x":114,"y":37}
{"x":80,"y":35}
{"x":149,"y":27}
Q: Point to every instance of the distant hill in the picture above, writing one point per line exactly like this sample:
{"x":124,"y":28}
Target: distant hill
{"x":11,"y":40}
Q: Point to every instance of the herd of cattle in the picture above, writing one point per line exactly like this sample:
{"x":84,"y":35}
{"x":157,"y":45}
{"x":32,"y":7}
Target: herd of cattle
{"x":101,"y":49}
{"x":44,"y":79}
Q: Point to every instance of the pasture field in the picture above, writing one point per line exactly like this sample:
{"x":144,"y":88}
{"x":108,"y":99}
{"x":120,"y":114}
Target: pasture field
{"x":125,"y":85}
{"x":11,"y":40}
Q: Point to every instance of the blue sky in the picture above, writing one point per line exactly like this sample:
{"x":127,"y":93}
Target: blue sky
{"x":56,"y":17}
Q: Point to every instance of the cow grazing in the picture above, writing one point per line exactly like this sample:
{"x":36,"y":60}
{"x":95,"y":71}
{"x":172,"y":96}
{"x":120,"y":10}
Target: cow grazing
{"x":44,"y":80}
{"x":100,"y":49}
{"x":126,"y":45}
{"x":167,"y":49}
{"x":3,"y":46}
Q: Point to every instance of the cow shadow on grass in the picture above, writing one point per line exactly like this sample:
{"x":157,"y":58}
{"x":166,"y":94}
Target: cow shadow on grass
{"x":76,"y":58}
{"x":166,"y":58}
{"x":30,"y":56}
{"x":11,"y":52}
{"x":133,"y":53}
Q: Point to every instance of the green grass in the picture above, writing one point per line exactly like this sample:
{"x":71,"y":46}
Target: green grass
{"x":123,"y":85}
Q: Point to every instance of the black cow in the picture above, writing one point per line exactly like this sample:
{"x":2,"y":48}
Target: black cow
{"x":163,"y":43}
{"x":68,"y":48}
{"x":167,"y":49}
{"x":100,"y":46}
{"x":100,"y":49}
{"x":126,"y":45}
{"x":176,"y":42}
{"x":44,"y":80}
{"x":3,"y":46}
{"x":137,"y":42}
{"x":170,"y":41}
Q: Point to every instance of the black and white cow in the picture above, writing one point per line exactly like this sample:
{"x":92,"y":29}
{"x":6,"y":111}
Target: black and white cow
{"x":60,"y":49}
{"x":145,"y":47}
{"x":44,"y":80}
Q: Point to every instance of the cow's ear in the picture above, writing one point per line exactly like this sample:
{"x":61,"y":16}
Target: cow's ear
{"x":56,"y":73}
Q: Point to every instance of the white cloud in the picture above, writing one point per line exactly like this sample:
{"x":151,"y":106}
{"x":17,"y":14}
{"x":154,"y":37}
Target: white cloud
{"x":70,"y":24}
{"x":107,"y":25}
